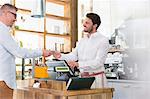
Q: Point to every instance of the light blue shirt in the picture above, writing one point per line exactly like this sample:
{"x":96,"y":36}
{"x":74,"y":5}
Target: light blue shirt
{"x":9,"y":49}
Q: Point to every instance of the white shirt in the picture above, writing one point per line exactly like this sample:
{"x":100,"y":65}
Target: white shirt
{"x":9,"y":49}
{"x":90,"y":53}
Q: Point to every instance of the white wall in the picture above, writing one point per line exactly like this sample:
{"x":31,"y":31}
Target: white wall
{"x":115,"y":12}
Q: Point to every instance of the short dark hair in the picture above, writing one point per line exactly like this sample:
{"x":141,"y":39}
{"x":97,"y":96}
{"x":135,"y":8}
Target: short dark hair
{"x":95,"y":18}
{"x":8,"y":6}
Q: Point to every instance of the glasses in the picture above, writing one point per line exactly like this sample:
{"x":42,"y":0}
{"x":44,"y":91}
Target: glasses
{"x":15,"y":15}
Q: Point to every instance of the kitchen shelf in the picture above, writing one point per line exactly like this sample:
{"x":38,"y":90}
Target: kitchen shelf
{"x":68,"y":34}
{"x":57,"y":17}
{"x":52,"y":16}
{"x":24,"y":65}
{"x":59,"y":35}
{"x":26,"y":11}
{"x":49,"y":34}
{"x":61,"y":2}
{"x":69,"y":20}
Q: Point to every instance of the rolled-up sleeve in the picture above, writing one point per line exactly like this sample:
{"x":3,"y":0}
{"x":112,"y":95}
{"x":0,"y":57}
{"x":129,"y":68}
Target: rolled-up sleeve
{"x":72,"y":56}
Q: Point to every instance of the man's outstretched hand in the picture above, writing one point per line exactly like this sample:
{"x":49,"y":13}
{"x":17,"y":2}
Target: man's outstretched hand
{"x":47,"y":53}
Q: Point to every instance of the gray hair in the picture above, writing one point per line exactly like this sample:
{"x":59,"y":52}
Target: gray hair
{"x":8,"y":6}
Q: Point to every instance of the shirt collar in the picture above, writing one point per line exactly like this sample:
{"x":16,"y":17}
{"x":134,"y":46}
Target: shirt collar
{"x":92,"y":35}
{"x":5,"y":26}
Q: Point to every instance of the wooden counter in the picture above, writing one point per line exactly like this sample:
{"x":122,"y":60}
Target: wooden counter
{"x":53,"y":92}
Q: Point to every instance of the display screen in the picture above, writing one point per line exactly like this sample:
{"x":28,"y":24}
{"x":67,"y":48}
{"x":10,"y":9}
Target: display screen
{"x":61,"y":69}
{"x":60,"y":66}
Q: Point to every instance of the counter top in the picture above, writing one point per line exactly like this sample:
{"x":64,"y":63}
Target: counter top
{"x":68,"y":92}
{"x":51,"y":89}
{"x":127,"y":81}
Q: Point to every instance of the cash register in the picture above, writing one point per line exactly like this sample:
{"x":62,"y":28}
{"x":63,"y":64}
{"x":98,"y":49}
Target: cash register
{"x":61,"y":69}
{"x":65,"y":73}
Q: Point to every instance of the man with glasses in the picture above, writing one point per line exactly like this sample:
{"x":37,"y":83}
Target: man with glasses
{"x":9,"y":49}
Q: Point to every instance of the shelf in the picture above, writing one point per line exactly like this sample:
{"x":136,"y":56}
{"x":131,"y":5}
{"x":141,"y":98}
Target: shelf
{"x":48,"y":34}
{"x":68,"y":18}
{"x":57,"y":17}
{"x":35,"y":32}
{"x":61,"y":2}
{"x":68,"y":33}
{"x":59,"y":35}
{"x":52,"y":16}
{"x":24,"y":11}
{"x":24,"y":65}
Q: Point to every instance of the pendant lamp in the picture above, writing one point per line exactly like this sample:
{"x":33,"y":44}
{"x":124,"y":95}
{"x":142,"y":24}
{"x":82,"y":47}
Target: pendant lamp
{"x":38,"y":9}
